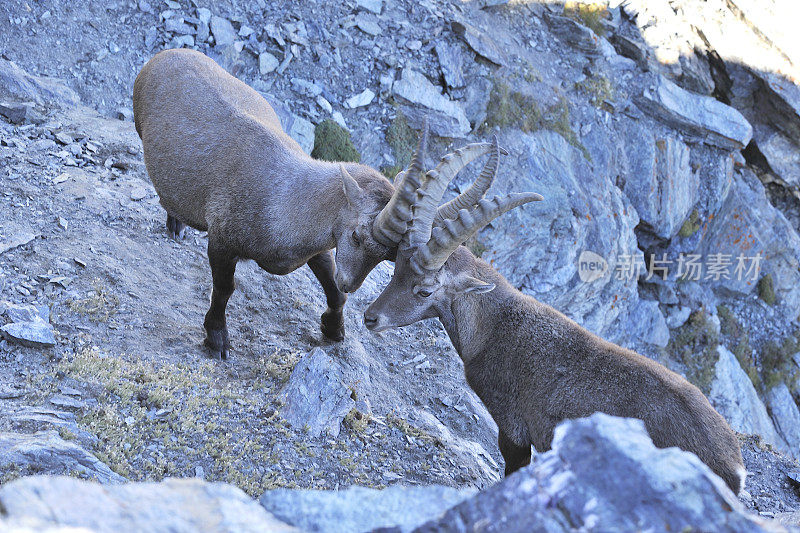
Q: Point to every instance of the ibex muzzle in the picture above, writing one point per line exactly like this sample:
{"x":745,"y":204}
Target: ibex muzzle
{"x":532,"y":366}
{"x":220,"y":161}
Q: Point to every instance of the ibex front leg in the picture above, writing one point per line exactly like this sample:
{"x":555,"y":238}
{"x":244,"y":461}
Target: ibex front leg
{"x":323,"y":267}
{"x":223,"y":267}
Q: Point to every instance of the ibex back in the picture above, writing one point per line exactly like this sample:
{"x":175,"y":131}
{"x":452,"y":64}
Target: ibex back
{"x":532,"y":366}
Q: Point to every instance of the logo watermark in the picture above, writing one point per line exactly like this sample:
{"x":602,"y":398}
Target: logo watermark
{"x":591,"y":266}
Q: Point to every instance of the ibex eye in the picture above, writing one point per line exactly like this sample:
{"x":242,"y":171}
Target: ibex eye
{"x":355,"y":238}
{"x":424,"y":293}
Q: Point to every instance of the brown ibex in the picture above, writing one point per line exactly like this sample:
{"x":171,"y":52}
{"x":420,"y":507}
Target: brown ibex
{"x":220,"y":161}
{"x":532,"y":366}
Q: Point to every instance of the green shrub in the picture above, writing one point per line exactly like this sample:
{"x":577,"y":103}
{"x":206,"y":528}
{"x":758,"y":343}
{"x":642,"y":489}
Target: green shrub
{"x":695,"y":345}
{"x":691,"y":225}
{"x":332,"y":143}
{"x":766,"y":290}
{"x":402,"y":139}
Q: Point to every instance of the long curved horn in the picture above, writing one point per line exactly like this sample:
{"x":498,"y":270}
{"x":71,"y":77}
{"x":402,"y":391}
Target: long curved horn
{"x":425,"y":207}
{"x":471,"y":196}
{"x":392,"y":222}
{"x":454,"y":232}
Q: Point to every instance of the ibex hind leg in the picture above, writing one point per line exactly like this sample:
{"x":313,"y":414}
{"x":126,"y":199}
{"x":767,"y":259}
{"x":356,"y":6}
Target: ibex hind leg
{"x":323,"y":267}
{"x":175,"y":228}
{"x":514,"y":455}
{"x":223,"y":267}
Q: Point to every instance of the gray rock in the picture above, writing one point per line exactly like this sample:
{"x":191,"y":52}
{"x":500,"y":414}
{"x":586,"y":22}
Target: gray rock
{"x":222,"y":30}
{"x":783,"y":99}
{"x":302,"y":131}
{"x":174,"y":505}
{"x":700,"y":117}
{"x":177,"y":25}
{"x":45,"y":452}
{"x":204,"y":14}
{"x":786,"y":416}
{"x":747,"y":225}
{"x":482,"y":44}
{"x":361,"y":99}
{"x":17,"y":83}
{"x":604,"y":474}
{"x":36,"y":334}
{"x":17,"y":113}
{"x":316,"y":398}
{"x":376,"y":6}
{"x":734,"y":397}
{"x":781,"y":153}
{"x":660,"y":184}
{"x":180,"y":41}
{"x":476,"y":100}
{"x":267,"y":63}
{"x":451,"y":63}
{"x":574,"y":34}
{"x":27,"y":313}
{"x":368,"y":25}
{"x":361,"y":509}
{"x":678,"y":316}
{"x":446,"y":118}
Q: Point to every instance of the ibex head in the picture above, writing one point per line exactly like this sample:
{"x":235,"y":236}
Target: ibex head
{"x":426,"y":280}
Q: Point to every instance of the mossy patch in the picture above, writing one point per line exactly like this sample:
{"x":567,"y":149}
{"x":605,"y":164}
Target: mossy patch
{"x":99,"y":305}
{"x":691,"y":225}
{"x":333,"y":143}
{"x":590,"y":15}
{"x":695,"y":345}
{"x":156,"y":420}
{"x":597,"y":88}
{"x":509,"y":108}
{"x":776,"y":362}
{"x":766,"y":290}
{"x":402,"y":139}
{"x":735,"y":336}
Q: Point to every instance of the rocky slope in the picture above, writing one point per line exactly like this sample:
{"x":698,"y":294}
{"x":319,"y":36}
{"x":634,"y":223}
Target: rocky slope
{"x":661,"y":145}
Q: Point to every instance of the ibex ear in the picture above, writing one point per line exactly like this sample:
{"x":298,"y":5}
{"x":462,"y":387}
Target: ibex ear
{"x":352,"y":191}
{"x":467,"y":284}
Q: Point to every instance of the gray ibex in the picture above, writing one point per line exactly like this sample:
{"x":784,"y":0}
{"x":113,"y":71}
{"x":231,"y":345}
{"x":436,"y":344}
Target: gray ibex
{"x":532,"y":366}
{"x":220,"y":161}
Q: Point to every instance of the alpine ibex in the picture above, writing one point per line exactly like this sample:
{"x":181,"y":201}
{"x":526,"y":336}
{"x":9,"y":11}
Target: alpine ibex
{"x":220,"y":161}
{"x":532,"y":366}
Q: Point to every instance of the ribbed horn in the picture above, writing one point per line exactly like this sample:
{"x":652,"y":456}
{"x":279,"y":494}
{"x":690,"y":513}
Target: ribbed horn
{"x":472,"y":196}
{"x":429,"y":195}
{"x":454,"y":232}
{"x":392,"y":222}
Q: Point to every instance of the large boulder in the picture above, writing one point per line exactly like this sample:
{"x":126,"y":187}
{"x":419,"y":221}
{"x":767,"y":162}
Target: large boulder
{"x":16,"y":83}
{"x":748,"y":226}
{"x":734,"y":397}
{"x":45,"y":452}
{"x":786,"y":416}
{"x":316,"y":398}
{"x":423,"y":100}
{"x":361,"y":509}
{"x":660,"y":184}
{"x":604,"y":474}
{"x":702,"y":118}
{"x":174,"y":506}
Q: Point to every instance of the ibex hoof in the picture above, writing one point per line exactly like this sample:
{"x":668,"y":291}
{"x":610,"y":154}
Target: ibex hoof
{"x":333,"y":325}
{"x":175,"y":228}
{"x":217,"y":342}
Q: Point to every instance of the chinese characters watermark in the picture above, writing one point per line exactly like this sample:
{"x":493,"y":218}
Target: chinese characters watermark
{"x":691,"y":267}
